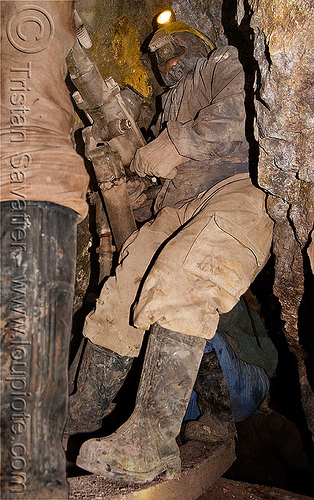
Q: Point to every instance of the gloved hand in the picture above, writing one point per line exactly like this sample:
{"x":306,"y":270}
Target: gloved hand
{"x":159,"y":158}
{"x":136,"y":187}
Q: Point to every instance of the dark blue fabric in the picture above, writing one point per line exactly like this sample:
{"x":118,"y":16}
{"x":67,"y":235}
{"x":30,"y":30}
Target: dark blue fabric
{"x":248,"y":384}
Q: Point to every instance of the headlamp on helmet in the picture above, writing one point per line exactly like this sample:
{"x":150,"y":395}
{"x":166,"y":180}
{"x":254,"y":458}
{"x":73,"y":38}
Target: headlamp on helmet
{"x":176,"y":51}
{"x":167,"y":16}
{"x":165,"y":35}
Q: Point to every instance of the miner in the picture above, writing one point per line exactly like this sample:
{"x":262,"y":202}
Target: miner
{"x":43,"y":197}
{"x":190,"y":264}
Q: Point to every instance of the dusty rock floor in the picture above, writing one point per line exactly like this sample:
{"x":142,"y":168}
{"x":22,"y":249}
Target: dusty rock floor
{"x":223,"y":489}
{"x":200,"y":480}
{"x":226,"y":489}
{"x":201,"y":467}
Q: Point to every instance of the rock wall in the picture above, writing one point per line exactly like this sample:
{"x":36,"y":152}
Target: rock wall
{"x":283,"y":48}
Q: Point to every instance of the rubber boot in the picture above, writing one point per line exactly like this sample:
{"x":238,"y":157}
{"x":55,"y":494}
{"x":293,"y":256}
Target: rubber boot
{"x":211,"y":386}
{"x":216,"y":423}
{"x":38,"y":260}
{"x":101,"y":375}
{"x":145,"y":446}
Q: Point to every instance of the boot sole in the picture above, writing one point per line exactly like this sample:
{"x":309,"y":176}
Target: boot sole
{"x":171,"y":468}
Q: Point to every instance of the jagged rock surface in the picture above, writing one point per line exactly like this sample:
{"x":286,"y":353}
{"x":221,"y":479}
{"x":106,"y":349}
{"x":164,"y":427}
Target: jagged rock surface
{"x":283,"y":49}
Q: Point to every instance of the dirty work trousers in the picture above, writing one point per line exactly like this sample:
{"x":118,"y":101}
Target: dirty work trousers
{"x":248,"y":384}
{"x":184,"y":268}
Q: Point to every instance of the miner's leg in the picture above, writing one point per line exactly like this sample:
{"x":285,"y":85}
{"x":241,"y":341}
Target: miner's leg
{"x":228,"y":390}
{"x":145,"y":445}
{"x":101,"y":375}
{"x":248,"y":383}
{"x":112,"y":341}
{"x":38,"y":258}
{"x":233,"y":379}
{"x":38,"y":164}
{"x":212,"y":405}
{"x":198,"y":273}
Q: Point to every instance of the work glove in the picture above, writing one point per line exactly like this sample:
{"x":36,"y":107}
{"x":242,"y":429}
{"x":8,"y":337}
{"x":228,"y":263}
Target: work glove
{"x":136,"y":187}
{"x":159,"y":158}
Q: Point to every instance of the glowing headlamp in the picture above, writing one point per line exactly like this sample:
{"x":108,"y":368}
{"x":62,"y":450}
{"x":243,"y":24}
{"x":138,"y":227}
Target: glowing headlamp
{"x":167,"y":16}
{"x":164,"y":27}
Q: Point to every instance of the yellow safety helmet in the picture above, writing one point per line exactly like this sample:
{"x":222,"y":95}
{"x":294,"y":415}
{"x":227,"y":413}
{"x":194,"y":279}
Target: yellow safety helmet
{"x":163,"y":42}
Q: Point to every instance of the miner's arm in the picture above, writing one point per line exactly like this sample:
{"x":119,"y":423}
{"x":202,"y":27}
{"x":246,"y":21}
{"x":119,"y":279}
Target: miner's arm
{"x":218,"y":129}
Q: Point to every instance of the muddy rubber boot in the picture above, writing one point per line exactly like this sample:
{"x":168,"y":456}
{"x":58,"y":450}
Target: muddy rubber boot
{"x":38,"y":261}
{"x":101,"y":375}
{"x":216,"y":423}
{"x":145,"y":446}
{"x":211,"y":386}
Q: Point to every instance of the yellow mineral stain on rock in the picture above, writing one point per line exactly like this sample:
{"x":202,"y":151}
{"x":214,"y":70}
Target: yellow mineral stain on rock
{"x":126,"y":51}
{"x":281,"y":21}
{"x":99,"y":53}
